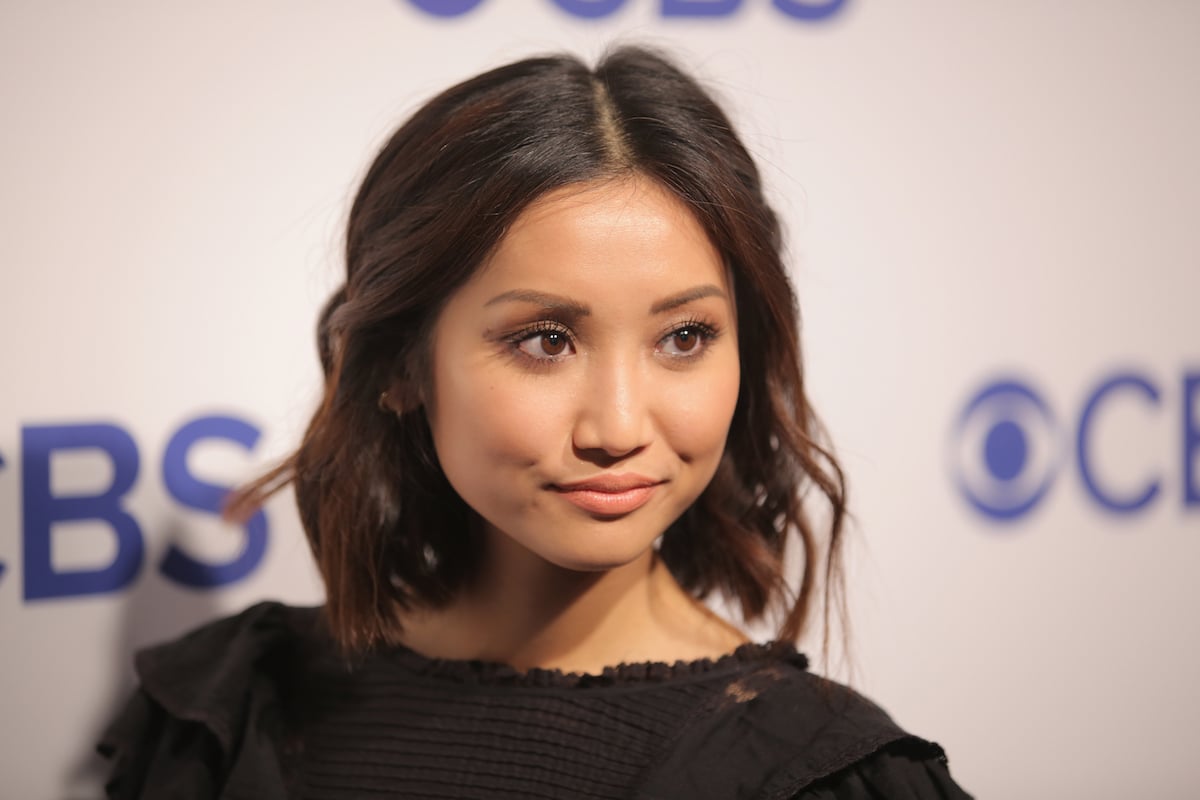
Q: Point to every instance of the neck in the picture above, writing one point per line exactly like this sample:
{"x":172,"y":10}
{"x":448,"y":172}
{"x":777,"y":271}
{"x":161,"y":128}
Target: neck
{"x":527,"y":612}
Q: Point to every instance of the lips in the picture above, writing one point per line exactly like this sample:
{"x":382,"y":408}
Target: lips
{"x":610,"y":495}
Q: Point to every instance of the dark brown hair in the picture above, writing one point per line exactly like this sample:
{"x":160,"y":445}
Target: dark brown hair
{"x":385,"y":526}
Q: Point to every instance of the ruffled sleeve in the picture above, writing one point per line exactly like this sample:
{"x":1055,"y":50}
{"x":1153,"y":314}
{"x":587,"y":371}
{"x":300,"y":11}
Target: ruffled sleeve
{"x":904,"y":770}
{"x":786,"y":734}
{"x":205,"y":721}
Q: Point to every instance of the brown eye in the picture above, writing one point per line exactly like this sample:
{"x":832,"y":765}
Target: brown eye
{"x":689,"y":340}
{"x":545,"y":344}
{"x":686,"y":339}
{"x":553,"y":343}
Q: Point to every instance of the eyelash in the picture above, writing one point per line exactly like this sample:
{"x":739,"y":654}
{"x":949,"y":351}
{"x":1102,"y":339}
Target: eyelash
{"x":707,"y":331}
{"x":708,"y":334}
{"x":535,"y":330}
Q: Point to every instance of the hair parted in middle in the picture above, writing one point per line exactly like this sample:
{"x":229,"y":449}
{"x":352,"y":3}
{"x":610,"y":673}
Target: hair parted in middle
{"x":385,"y":526}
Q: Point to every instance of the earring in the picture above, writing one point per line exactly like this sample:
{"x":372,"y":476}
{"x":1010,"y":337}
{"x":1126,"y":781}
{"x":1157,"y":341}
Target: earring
{"x":383,"y":404}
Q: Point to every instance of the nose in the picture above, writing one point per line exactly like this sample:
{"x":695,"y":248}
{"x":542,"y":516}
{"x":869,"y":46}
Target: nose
{"x":613,"y":419}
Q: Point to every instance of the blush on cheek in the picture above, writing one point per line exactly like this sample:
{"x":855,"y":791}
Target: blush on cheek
{"x":514,"y":422}
{"x":700,"y":419}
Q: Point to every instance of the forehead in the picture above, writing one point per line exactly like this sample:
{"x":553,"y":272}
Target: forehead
{"x":629,"y":229}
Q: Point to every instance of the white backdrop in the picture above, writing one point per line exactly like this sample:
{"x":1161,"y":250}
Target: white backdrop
{"x":975,"y":192}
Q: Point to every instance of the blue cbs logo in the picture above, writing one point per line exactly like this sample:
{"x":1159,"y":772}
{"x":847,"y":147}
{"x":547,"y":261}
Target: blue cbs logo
{"x":1008,"y":447}
{"x":805,"y":10}
{"x":47,"y":509}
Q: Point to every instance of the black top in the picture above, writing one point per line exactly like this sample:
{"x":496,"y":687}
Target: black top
{"x":261,"y":706}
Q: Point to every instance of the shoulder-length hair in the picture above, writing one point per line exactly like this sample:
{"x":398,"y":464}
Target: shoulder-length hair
{"x":387,"y":530}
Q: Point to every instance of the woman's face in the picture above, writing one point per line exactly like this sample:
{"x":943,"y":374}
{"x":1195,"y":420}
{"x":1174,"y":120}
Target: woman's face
{"x":585,"y":378}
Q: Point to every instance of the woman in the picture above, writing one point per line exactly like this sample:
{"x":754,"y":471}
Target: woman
{"x":563,"y":403}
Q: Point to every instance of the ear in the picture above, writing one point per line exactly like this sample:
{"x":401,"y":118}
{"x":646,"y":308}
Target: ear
{"x":402,"y":397}
{"x":408,"y":389}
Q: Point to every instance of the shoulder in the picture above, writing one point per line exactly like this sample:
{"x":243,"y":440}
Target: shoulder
{"x":783,"y":733}
{"x":204,"y":713}
{"x":195,"y":674}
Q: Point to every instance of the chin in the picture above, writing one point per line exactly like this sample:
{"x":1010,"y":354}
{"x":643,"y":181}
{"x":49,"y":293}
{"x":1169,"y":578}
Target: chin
{"x":598,"y":563}
{"x":596,"y":555}
{"x":584,"y":544}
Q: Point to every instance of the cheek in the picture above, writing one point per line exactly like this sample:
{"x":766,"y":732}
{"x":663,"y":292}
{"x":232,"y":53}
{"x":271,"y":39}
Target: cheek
{"x":698,"y":415}
{"x":488,"y":418}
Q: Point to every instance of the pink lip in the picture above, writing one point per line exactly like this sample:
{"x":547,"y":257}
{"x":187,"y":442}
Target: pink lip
{"x":610,"y":494}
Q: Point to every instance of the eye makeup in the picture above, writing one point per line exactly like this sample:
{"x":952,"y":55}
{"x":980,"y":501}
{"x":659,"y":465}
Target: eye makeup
{"x":545,"y":342}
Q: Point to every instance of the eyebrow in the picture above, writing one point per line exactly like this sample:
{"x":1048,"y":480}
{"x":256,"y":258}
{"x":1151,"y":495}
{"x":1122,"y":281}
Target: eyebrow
{"x":560,"y":303}
{"x":683,"y":298}
{"x":548,"y":301}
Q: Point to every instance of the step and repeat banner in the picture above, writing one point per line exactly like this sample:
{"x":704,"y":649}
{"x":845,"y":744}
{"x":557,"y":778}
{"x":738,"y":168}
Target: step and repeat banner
{"x":991,"y":213}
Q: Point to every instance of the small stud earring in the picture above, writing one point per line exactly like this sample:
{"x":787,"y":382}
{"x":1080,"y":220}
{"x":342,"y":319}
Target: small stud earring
{"x":383,"y":403}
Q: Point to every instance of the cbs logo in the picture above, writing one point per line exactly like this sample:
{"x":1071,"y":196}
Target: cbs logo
{"x":1008,"y":446}
{"x":807,"y":10}
{"x":50,"y":511}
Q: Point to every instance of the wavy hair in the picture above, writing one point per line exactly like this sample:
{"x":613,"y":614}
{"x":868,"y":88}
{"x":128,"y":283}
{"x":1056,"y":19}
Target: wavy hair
{"x":385,"y":526}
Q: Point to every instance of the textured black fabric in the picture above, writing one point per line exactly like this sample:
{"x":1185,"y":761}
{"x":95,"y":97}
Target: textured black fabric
{"x":260,"y":706}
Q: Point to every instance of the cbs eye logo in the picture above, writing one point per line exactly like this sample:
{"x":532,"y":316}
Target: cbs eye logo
{"x":1005,"y":450}
{"x":1007,"y":447}
{"x":804,"y":10}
